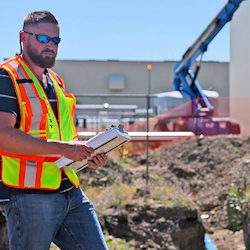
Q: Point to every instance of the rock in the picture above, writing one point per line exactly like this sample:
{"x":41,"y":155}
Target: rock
{"x":225,"y":239}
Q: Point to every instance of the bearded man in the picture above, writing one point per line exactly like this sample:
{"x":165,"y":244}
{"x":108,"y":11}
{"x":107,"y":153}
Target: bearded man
{"x":42,"y":204}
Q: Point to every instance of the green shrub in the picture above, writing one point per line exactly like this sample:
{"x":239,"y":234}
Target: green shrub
{"x":117,"y":244}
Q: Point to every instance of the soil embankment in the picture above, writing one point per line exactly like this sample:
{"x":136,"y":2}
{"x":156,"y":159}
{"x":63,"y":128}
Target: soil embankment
{"x":202,"y":169}
{"x":187,"y":195}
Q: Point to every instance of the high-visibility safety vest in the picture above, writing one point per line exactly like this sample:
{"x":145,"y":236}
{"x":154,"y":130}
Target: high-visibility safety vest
{"x":38,"y":120}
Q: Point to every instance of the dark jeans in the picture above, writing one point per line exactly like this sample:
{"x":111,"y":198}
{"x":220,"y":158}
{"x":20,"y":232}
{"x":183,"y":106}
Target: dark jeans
{"x":67,"y":219}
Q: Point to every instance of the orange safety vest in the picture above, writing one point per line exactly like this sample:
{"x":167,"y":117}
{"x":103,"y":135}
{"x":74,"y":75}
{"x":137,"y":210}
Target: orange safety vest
{"x":38,"y":120}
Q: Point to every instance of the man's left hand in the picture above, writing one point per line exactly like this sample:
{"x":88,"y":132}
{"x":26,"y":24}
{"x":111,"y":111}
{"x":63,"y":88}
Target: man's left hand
{"x":97,"y":161}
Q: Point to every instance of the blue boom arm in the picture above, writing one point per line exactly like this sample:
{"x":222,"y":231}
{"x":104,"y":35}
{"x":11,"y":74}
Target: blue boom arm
{"x":184,"y":78}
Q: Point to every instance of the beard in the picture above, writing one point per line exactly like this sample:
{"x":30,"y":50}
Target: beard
{"x":41,"y":60}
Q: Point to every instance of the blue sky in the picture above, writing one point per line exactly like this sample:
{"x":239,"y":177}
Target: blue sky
{"x":149,"y":30}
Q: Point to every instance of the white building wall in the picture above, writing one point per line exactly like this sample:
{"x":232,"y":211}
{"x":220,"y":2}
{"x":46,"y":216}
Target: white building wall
{"x":92,"y":77}
{"x":240,"y":66}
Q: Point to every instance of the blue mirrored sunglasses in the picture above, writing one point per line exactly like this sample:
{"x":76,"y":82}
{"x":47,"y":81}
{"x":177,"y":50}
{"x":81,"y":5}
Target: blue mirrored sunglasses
{"x":44,"y":38}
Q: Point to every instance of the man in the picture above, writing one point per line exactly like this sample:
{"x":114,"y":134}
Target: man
{"x":42,"y":203}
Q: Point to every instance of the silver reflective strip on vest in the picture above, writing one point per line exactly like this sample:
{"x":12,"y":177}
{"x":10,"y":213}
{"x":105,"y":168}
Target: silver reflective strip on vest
{"x":30,"y":174}
{"x":35,"y":103}
{"x":36,"y":107}
{"x":18,"y":70}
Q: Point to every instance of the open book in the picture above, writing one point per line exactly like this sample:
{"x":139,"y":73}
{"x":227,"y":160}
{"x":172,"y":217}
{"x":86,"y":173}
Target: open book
{"x":103,"y":142}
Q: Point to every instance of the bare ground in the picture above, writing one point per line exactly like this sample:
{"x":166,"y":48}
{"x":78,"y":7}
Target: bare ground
{"x":202,"y":168}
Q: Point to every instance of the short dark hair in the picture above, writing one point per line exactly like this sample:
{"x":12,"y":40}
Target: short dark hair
{"x":37,"y":17}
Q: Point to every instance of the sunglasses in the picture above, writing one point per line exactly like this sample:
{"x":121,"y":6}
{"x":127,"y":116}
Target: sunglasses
{"x":44,"y":38}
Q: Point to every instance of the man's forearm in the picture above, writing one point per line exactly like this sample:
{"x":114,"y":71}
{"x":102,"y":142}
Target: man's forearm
{"x":17,"y":142}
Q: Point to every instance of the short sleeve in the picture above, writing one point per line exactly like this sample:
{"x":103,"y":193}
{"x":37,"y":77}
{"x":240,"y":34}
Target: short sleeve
{"x":8,"y":98}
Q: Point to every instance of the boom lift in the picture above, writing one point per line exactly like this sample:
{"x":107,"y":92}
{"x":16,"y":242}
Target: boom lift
{"x":200,"y":119}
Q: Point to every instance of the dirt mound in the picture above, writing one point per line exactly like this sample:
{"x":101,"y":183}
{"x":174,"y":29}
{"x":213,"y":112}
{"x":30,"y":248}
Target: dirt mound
{"x":205,"y":168}
{"x":143,"y":222}
{"x":110,"y":173}
{"x":202,"y":168}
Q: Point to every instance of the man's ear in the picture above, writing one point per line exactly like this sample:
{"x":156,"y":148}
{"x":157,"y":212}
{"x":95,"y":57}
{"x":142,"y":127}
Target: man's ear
{"x":21,"y":36}
{"x":21,"y":39}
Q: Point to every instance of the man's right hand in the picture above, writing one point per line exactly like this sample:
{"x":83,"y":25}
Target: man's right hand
{"x":76,"y":150}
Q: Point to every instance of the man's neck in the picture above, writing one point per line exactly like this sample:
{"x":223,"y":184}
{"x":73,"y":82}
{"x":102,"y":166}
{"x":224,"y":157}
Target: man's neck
{"x":38,"y":71}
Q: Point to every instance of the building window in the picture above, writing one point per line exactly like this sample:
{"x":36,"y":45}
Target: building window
{"x":116,"y":82}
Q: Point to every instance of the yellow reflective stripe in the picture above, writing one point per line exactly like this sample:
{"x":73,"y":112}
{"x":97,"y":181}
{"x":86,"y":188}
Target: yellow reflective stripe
{"x":37,"y":131}
{"x":36,"y":135}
